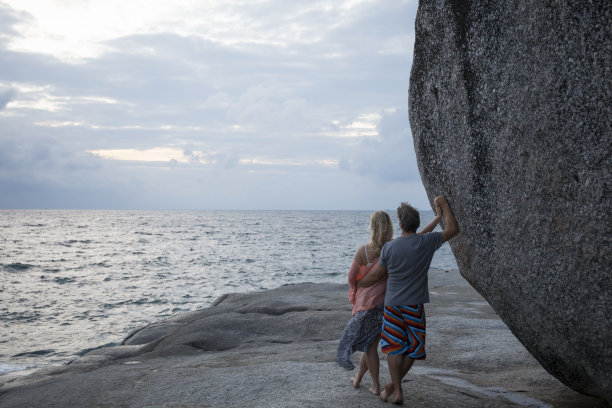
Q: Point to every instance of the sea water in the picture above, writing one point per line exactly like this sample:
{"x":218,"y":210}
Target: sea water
{"x":72,"y":281}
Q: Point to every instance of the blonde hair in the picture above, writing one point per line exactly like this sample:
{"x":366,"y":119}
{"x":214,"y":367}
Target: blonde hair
{"x":382,"y":230}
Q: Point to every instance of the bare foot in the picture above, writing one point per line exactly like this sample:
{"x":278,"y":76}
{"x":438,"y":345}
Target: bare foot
{"x":375,"y":389}
{"x":386,"y":393}
{"x":356,"y":382}
{"x":399,"y":398}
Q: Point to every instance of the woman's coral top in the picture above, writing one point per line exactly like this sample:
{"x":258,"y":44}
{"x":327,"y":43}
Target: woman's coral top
{"x":369,"y":297}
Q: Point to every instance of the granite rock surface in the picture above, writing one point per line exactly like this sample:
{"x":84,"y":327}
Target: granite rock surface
{"x":511,"y":114}
{"x":277,"y":348}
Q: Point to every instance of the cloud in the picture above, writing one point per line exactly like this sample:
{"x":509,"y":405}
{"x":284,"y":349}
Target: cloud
{"x":9,"y":18}
{"x":157,"y":154}
{"x":236,"y":24}
{"x":272,"y":106}
{"x":206,"y":96}
{"x":390,"y":156}
{"x":6,"y":96}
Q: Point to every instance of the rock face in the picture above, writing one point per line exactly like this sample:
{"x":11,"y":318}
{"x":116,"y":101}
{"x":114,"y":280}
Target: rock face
{"x":511,"y":112}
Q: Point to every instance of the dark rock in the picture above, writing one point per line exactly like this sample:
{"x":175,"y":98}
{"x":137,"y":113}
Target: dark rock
{"x":511,"y":114}
{"x":237,"y":319}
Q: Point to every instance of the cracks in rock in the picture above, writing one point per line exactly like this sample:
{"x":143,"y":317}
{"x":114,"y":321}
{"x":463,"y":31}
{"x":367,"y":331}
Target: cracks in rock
{"x":219,"y":300}
{"x":204,"y":346}
{"x":273,"y":312}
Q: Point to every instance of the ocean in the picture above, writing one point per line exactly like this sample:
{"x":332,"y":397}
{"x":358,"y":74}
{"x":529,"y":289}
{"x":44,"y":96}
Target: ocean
{"x":75,"y":280}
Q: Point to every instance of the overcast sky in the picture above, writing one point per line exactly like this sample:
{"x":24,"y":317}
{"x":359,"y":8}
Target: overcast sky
{"x":207,"y":104}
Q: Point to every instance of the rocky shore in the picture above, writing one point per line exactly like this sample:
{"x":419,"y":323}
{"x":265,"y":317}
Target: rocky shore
{"x":276,"y":349}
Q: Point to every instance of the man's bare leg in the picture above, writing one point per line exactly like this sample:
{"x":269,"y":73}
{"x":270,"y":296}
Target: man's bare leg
{"x":373,"y":363}
{"x":363,"y":367}
{"x":386,"y":393}
{"x":396,"y":363}
{"x":399,"y":365}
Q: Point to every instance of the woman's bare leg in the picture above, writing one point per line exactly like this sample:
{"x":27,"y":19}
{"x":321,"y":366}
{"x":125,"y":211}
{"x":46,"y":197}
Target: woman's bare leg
{"x":373,"y":362}
{"x":363,"y":368}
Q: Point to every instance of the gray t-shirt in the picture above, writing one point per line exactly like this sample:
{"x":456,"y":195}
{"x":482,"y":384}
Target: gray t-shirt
{"x":407,"y":260}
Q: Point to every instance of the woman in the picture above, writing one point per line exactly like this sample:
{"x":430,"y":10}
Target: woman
{"x":363,"y":330}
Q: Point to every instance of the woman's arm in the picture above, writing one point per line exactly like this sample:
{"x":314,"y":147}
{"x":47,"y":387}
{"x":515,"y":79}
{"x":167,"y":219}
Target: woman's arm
{"x":358,"y":260}
{"x":352,"y":276}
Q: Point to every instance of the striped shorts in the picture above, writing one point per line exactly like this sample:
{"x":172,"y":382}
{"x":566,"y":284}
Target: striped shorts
{"x":403,"y":331}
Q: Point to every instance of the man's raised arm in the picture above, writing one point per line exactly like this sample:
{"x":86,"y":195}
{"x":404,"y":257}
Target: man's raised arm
{"x":432,"y":225}
{"x":450,"y":223}
{"x":374,"y":276}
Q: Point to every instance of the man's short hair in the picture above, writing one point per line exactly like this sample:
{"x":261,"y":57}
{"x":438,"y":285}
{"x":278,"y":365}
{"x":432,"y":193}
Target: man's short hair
{"x":409,"y":217}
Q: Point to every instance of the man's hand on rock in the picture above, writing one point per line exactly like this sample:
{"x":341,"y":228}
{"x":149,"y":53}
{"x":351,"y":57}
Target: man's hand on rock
{"x":437,"y":209}
{"x":440,"y":201}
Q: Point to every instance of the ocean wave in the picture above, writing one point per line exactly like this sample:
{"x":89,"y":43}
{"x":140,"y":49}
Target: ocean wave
{"x":71,"y":242}
{"x":102,"y":264}
{"x":7,"y":368}
{"x":19,"y":317}
{"x":17,"y":267}
{"x":62,"y":281}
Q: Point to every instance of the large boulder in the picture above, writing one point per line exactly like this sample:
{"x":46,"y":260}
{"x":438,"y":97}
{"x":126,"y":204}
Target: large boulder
{"x":511,"y":112}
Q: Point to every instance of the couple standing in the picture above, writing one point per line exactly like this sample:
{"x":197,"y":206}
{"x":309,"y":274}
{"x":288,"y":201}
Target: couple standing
{"x":388,"y":289}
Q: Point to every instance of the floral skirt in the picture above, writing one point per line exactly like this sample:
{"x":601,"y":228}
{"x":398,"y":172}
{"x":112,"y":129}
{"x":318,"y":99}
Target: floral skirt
{"x":358,"y":334}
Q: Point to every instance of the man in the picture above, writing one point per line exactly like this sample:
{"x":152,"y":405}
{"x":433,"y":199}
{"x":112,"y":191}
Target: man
{"x":405,"y":261}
